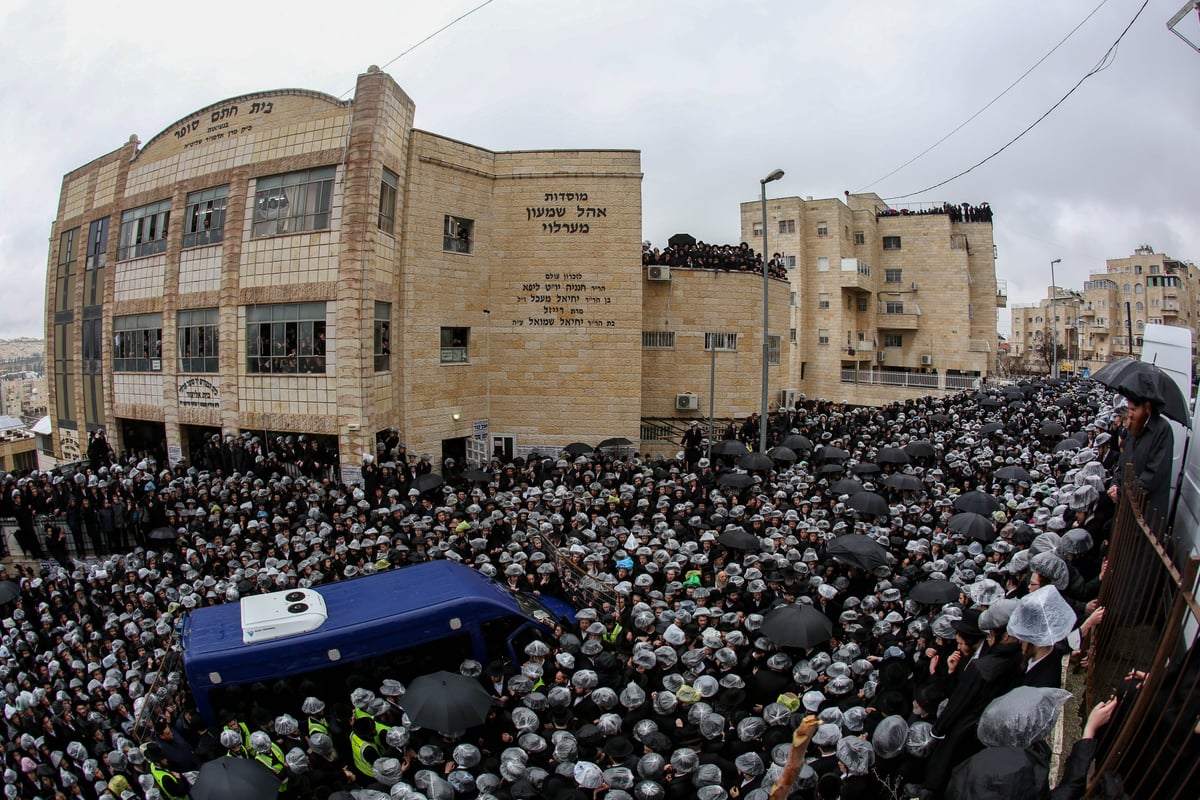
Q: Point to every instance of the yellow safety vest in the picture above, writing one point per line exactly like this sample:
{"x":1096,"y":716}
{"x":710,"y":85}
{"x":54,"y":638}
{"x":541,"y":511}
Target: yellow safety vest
{"x":357,"y":746}
{"x":159,"y":774}
{"x":317,"y":726}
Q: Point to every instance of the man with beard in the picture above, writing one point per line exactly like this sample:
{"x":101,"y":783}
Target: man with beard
{"x":1149,"y":447}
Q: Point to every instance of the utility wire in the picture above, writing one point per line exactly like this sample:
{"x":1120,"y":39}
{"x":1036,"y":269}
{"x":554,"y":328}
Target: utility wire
{"x":971,"y":118}
{"x":1104,"y":63}
{"x":449,"y":24}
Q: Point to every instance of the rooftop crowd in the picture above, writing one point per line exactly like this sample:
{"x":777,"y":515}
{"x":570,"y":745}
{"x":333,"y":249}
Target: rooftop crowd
{"x":964,"y":212}
{"x":723,"y":257}
{"x":668,"y":686}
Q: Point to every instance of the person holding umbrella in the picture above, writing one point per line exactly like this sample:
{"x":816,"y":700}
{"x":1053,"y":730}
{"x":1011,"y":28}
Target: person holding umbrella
{"x":1149,"y":447}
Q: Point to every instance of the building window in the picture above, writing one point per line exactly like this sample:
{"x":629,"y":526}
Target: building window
{"x":293,"y":203}
{"x":787,"y":226}
{"x":822,"y":263}
{"x":893,"y":340}
{"x":198,"y":341}
{"x":893,"y":275}
{"x":862,"y":306}
{"x":287,"y":338}
{"x":891,"y":243}
{"x":64,"y":297}
{"x":792,"y":335}
{"x":823,"y":300}
{"x":756,"y":230}
{"x":789,"y":261}
{"x":1127,"y":288}
{"x":91,"y":335}
{"x":97,"y":246}
{"x":137,"y":343}
{"x":1137,"y":268}
{"x":721,"y":342}
{"x":1154,"y":269}
{"x":204,"y":217}
{"x":658,"y":340}
{"x":823,"y":336}
{"x":860,"y":237}
{"x":773,"y":348}
{"x":822,"y":229}
{"x":387,"y":201}
{"x":64,"y":378}
{"x":383,"y":336}
{"x":792,"y":298}
{"x":893,"y":307}
{"x":458,"y":235}
{"x":456,"y":345}
{"x":1137,"y":288}
{"x":144,"y":231}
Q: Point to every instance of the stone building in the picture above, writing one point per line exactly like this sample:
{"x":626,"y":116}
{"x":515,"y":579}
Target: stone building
{"x":886,"y":303}
{"x":289,"y":263}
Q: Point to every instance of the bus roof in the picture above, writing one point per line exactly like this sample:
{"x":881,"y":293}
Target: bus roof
{"x":367,"y":616}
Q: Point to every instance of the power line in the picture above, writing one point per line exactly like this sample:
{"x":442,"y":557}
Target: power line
{"x":449,"y":24}
{"x":993,"y":101}
{"x":1103,"y":64}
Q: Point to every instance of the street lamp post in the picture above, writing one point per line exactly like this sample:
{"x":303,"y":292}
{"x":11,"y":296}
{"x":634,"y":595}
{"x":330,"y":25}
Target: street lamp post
{"x":762,"y":422}
{"x":1054,"y":318}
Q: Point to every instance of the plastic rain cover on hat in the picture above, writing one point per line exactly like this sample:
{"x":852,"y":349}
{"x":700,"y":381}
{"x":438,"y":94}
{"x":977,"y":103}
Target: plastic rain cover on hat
{"x":1023,"y":716}
{"x":890,"y":736}
{"x":856,"y":754}
{"x":1042,"y":618}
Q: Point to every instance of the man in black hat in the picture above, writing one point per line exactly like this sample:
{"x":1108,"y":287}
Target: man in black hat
{"x":1149,"y":448}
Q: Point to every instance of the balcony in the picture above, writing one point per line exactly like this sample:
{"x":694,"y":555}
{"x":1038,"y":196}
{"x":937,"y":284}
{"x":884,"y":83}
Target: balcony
{"x":856,"y":275}
{"x":1087,"y":310}
{"x":898,"y":316}
{"x":979,"y":346}
{"x":1001,"y":294}
{"x":1170,"y":309}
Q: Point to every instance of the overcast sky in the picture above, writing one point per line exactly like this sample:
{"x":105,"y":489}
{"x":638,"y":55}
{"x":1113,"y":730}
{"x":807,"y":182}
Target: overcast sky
{"x":714,"y":94}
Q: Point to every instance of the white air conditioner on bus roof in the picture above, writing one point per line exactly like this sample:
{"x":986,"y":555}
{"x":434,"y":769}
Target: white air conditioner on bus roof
{"x":278,"y":614}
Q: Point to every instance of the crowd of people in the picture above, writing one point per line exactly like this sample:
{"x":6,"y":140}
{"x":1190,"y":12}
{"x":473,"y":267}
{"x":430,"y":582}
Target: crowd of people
{"x":721,"y":257}
{"x":964,"y":212}
{"x":673,"y":682}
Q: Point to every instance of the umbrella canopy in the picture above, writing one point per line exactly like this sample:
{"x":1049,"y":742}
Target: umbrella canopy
{"x":9,"y":591}
{"x":992,"y":427}
{"x":858,"y":551}
{"x":973,"y":526}
{"x":428,"y":482}
{"x":846,"y":486}
{"x":616,"y":441}
{"x":935,"y":592}
{"x":1018,"y":405}
{"x":782,"y":453}
{"x":228,"y":778}
{"x":578,"y":448}
{"x":892,"y":455}
{"x":940,"y":419}
{"x":831,"y":454}
{"x":830,"y":469}
{"x":163,"y":534}
{"x":477,"y":476}
{"x":1067,"y":445}
{"x":905,"y":483}
{"x":865,"y":468}
{"x":756,"y":461}
{"x":921,"y":448}
{"x":446,"y":702}
{"x":797,"y":626}
{"x":977,"y":501}
{"x":798,"y":442}
{"x":729,"y":447}
{"x":1141,"y":380}
{"x":868,"y":503}
{"x":681,"y":239}
{"x":738,"y":538}
{"x":1051,"y":430}
{"x":736,"y":480}
{"x":991,"y":402}
{"x":1013,"y":473}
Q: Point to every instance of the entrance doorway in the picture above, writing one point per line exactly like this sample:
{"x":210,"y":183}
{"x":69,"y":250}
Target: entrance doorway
{"x":457,"y":449}
{"x":144,"y":438}
{"x":503,"y":447}
{"x":196,"y":440}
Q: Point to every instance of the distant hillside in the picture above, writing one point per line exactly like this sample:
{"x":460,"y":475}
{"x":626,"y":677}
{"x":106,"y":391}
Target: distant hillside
{"x":21,"y":349}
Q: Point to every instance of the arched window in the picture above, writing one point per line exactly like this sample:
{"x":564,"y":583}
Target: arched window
{"x":1140,"y":324}
{"x":1137,"y":288}
{"x":1126,"y":289}
{"x":1139,"y":306}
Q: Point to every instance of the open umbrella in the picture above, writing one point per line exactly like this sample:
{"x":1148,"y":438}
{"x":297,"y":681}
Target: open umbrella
{"x":736,"y":480}
{"x":1066,"y":445}
{"x":991,"y":427}
{"x":163,"y":534}
{"x":228,"y":778}
{"x":477,"y":476}
{"x":428,"y":482}
{"x":616,"y":441}
{"x":940,"y":419}
{"x":798,"y":442}
{"x":756,"y":461}
{"x":9,"y":591}
{"x":973,"y":526}
{"x":1051,"y":430}
{"x":1018,"y":405}
{"x":729,"y":447}
{"x":921,"y":448}
{"x":1013,"y":473}
{"x":578,"y":449}
{"x":935,"y":592}
{"x":991,"y":402}
{"x":738,"y":538}
{"x":782,"y":453}
{"x":858,"y":551}
{"x":681,"y":239}
{"x":1139,"y":379}
{"x":868,"y":503}
{"x":892,"y":455}
{"x":830,"y":454}
{"x":846,"y":486}
{"x":905,"y":483}
{"x":865,"y":468}
{"x":830,"y":469}
{"x":446,"y":702}
{"x":977,"y":501}
{"x":797,"y":626}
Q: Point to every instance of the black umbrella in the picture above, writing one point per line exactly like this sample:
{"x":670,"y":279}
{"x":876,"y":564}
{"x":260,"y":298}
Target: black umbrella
{"x":736,"y":480}
{"x":729,"y":447}
{"x":1142,"y":380}
{"x":1051,"y":430}
{"x":228,"y":778}
{"x":903,"y":482}
{"x":1066,"y":445}
{"x":9,"y":591}
{"x":163,"y":534}
{"x":892,"y":455}
{"x":446,"y":702}
{"x":477,"y":476}
{"x":1018,"y":405}
{"x":830,"y":454}
{"x":681,"y":239}
{"x":858,"y":551}
{"x":577,"y":449}
{"x":738,"y":538}
{"x":846,"y":486}
{"x":428,"y":482}
{"x":865,"y":468}
{"x":830,"y":469}
{"x":940,"y":419}
{"x":869,"y":503}
{"x":782,"y":453}
{"x":921,"y":448}
{"x":1065,"y":402}
{"x":935,"y":592}
{"x":616,"y":441}
{"x":977,"y":501}
{"x":991,"y":427}
{"x":973,"y":526}
{"x":798,"y":442}
{"x":991,"y":402}
{"x":756,"y":461}
{"x":1013,"y":473}
{"x":797,"y":626}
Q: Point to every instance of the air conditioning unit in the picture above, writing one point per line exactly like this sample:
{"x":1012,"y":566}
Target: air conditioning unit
{"x":658,"y":273}
{"x":914,"y":286}
{"x":687,"y":401}
{"x":926,"y":360}
{"x":787,"y":398}
{"x":278,"y":614}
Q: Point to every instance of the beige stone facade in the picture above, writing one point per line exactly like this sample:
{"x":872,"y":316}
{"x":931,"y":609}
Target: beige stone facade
{"x":886,"y":304}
